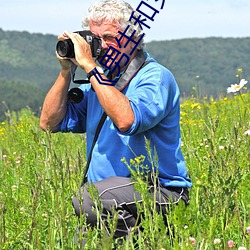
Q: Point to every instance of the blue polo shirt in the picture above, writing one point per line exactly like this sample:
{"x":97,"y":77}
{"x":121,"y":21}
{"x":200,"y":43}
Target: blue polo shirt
{"x":154,"y":97}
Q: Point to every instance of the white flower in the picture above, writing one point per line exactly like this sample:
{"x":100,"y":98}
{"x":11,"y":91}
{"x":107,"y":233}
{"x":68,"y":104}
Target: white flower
{"x":248,"y":230}
{"x":217,"y":241}
{"x":14,"y":188}
{"x":237,"y":87}
{"x":22,"y":210}
{"x":247,"y":133}
{"x":192,"y":240}
{"x":242,"y":248}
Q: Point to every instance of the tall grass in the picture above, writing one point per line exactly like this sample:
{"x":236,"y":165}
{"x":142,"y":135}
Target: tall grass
{"x":40,"y":172}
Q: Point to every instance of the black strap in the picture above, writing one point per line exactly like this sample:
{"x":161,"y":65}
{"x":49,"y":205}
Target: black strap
{"x":97,"y":132}
{"x":135,"y":65}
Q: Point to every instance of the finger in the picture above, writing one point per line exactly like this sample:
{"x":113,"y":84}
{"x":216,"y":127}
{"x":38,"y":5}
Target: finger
{"x":59,"y":57}
{"x":66,"y":59}
{"x":66,"y":33}
{"x":61,"y":38}
{"x":75,"y":37}
{"x":69,"y":34}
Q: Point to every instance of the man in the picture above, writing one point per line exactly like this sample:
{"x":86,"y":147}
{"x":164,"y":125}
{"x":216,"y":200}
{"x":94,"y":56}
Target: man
{"x":142,"y":106}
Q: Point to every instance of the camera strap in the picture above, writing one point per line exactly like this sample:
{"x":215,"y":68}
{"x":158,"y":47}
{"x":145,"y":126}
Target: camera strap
{"x":97,"y":132}
{"x":136,"y":64}
{"x":125,"y":78}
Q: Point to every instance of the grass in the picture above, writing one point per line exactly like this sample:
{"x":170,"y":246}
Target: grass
{"x":40,"y":172}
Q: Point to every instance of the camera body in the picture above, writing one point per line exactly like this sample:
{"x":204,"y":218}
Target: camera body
{"x":65,"y":48}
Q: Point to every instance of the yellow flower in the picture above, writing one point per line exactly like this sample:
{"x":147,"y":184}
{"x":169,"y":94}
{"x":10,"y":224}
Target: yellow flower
{"x":240,"y":70}
{"x":138,"y":160}
{"x":195,"y":105}
{"x":132,"y":162}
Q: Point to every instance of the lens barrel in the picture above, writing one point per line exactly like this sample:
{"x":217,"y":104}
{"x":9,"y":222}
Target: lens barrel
{"x":75,"y":95}
{"x":65,"y":48}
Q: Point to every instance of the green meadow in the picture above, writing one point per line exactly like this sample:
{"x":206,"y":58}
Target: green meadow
{"x":40,"y":172}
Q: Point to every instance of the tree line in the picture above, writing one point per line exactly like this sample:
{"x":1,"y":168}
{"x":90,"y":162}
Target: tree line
{"x":202,"y":67}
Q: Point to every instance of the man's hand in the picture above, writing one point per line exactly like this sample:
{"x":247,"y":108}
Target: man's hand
{"x":83,"y":54}
{"x":66,"y":63}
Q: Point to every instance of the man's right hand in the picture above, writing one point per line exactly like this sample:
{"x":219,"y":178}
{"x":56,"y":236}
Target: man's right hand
{"x":66,"y":63}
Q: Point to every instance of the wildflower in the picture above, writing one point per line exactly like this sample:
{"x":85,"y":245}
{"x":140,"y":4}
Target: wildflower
{"x":237,"y":87}
{"x":22,"y":210}
{"x":137,"y":159}
{"x":195,"y":106}
{"x":132,"y":162}
{"x":230,"y":244}
{"x":247,"y":133}
{"x":14,"y":188}
{"x":240,"y":70}
{"x":198,"y":182}
{"x":192,"y":240}
{"x":242,"y":248}
{"x":248,"y":230}
{"x":216,"y":241}
{"x":221,"y":147}
{"x":45,"y":216}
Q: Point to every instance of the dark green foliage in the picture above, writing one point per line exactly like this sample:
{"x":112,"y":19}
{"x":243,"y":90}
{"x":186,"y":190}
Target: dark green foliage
{"x":211,"y":63}
{"x":19,"y":94}
{"x":28,"y":68}
{"x":28,"y":58}
{"x":29,"y":62}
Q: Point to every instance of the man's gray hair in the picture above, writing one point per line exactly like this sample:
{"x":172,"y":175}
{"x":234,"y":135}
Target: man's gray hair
{"x":117,"y":12}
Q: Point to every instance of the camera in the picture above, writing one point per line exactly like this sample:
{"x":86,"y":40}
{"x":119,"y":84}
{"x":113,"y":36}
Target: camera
{"x":65,"y":48}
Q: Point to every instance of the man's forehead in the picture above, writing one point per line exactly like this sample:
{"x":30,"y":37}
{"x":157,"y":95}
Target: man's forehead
{"x":104,"y":25}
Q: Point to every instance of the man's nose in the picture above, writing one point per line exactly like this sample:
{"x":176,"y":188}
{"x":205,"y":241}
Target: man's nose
{"x":104,"y":44}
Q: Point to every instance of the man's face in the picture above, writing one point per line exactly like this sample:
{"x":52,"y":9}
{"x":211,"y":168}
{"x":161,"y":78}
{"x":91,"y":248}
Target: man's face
{"x":108,"y":32}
